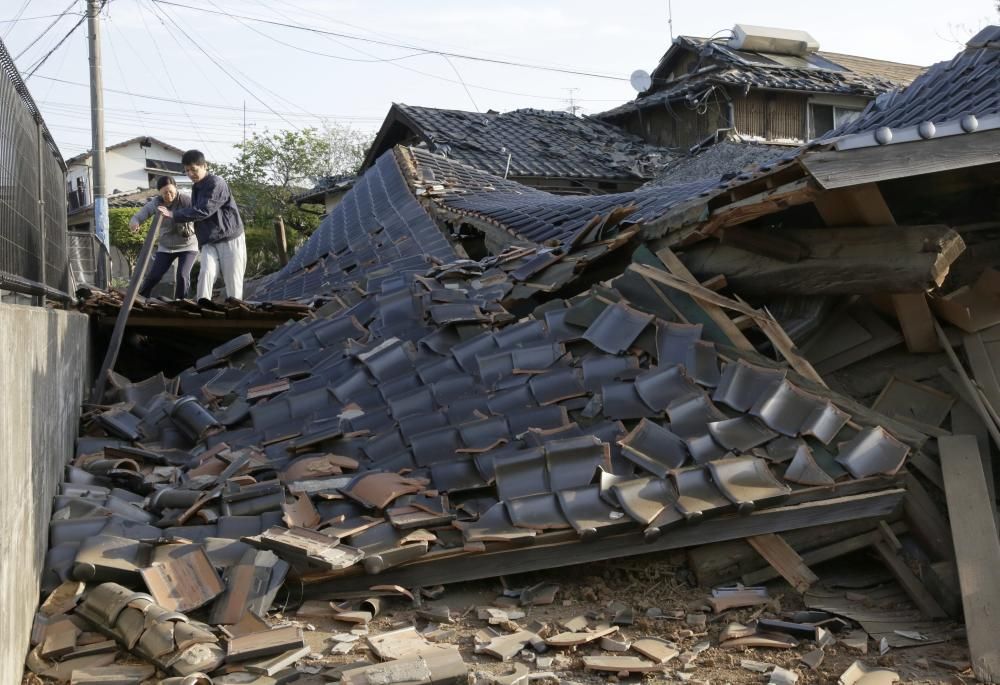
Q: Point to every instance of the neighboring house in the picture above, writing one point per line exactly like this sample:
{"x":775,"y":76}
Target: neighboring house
{"x":553,"y":151}
{"x":767,"y":84}
{"x":131,"y":165}
{"x":328,"y":192}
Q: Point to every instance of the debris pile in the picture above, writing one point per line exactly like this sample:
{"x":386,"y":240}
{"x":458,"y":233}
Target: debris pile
{"x":592,"y":389}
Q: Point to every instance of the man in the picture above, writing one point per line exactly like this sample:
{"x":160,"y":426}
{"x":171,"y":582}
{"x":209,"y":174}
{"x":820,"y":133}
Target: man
{"x":217,"y":224}
{"x":176,"y":240}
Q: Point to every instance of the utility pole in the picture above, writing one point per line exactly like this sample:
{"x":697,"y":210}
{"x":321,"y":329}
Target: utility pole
{"x":103,"y":276}
{"x":244,"y":123}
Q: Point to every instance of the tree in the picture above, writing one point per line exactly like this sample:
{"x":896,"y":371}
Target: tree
{"x":125,"y":240}
{"x":271,"y":168}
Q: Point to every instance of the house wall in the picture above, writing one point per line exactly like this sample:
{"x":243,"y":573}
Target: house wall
{"x":43,"y":372}
{"x":771,"y":116}
{"x":125,"y":169}
{"x":676,"y":126}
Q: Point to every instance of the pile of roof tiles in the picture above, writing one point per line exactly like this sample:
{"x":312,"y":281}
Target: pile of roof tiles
{"x":422,"y":420}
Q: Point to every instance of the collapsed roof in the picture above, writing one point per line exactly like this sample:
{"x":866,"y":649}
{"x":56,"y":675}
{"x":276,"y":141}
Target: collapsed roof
{"x":524,"y":143}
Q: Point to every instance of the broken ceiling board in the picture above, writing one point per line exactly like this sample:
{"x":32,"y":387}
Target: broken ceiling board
{"x":861,"y":205}
{"x":973,"y":307}
{"x":181,"y":577}
{"x":977,"y":550}
{"x":912,"y":400}
{"x":915,"y":318}
{"x":785,"y":560}
{"x":838,"y":261}
{"x":846,"y":168}
{"x":836,"y":352}
{"x":549,"y":553}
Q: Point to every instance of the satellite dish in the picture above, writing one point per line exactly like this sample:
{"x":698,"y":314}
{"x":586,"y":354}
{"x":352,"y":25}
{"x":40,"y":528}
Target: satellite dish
{"x":640,"y":80}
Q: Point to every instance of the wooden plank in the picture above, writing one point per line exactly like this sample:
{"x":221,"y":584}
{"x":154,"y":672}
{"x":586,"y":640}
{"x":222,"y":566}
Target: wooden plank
{"x":977,"y":550}
{"x":970,"y":390}
{"x":826,"y":553}
{"x":911,"y":584}
{"x":859,"y":205}
{"x":266,"y":643}
{"x":917,"y":322}
{"x":926,"y":522}
{"x":764,"y":321}
{"x":138,"y":273}
{"x":784,"y":560}
{"x":839,"y":169}
{"x":982,"y":367}
{"x":454,"y":568}
{"x":766,"y":202}
{"x":676,"y":267}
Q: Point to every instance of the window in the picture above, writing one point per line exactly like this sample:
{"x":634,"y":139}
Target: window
{"x":824,"y":118}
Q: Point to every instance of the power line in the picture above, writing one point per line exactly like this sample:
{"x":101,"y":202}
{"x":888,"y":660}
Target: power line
{"x":35,"y":18}
{"x":46,"y":29}
{"x":457,"y":55}
{"x":221,"y":68}
{"x":17,"y":18}
{"x":160,"y":98}
{"x":38,"y":64}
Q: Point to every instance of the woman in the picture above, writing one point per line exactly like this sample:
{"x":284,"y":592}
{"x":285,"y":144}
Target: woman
{"x":177,"y":240}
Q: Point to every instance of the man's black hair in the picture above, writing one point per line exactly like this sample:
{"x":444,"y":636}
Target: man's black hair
{"x":193,"y":158}
{"x":164,"y":181}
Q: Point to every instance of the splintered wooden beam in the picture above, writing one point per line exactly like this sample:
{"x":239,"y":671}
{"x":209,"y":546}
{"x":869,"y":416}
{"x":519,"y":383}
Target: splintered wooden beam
{"x":449,"y":567}
{"x":832,"y":261}
{"x":977,"y":551}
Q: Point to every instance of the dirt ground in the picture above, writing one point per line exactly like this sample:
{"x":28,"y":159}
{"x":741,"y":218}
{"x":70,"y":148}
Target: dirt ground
{"x":596,"y":591}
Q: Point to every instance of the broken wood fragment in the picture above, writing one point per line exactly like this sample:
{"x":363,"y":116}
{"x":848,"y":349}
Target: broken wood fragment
{"x":780,"y":555}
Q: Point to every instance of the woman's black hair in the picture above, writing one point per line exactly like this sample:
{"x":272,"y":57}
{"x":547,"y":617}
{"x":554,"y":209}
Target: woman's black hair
{"x":164,"y":181}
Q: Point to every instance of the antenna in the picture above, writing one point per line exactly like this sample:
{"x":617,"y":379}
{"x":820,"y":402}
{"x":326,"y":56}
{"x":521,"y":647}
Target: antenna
{"x":572,"y":108}
{"x":670,"y":19}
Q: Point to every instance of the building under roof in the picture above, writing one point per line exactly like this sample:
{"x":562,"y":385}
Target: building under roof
{"x":772,"y":84}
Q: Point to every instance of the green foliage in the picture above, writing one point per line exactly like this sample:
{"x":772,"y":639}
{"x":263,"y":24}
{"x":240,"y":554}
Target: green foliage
{"x":271,"y":168}
{"x":121,"y":237}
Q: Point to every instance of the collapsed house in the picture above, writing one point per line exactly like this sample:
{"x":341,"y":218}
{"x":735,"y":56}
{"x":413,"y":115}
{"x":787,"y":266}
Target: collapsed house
{"x":491,"y":379}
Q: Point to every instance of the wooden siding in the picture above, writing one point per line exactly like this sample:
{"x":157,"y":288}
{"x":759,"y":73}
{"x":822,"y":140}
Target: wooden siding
{"x":772,"y":116}
{"x":678,"y":126}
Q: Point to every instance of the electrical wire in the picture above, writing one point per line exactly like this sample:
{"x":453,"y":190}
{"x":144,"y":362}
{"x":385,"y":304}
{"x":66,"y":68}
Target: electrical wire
{"x":38,"y":64}
{"x":121,"y":72}
{"x":218,"y":63}
{"x":457,"y":55}
{"x":467,"y":91}
{"x":46,"y":29}
{"x":17,"y":18}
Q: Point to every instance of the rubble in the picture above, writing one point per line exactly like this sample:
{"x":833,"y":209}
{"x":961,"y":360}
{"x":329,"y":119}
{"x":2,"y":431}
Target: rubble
{"x":576,"y":396}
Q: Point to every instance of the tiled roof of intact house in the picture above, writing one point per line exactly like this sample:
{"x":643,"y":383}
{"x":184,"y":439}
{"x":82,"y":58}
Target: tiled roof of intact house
{"x":816,"y":72}
{"x":539,"y":143}
{"x":948,"y":92}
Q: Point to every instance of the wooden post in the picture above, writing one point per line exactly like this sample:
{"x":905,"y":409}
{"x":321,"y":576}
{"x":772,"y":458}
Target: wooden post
{"x":280,"y":240}
{"x":111,"y":356}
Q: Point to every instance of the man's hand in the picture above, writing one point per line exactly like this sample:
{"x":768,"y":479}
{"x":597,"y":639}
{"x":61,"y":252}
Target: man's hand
{"x":165,"y":211}
{"x":133,"y":226}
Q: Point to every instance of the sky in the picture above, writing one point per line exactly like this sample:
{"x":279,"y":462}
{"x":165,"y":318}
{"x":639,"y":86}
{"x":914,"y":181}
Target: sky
{"x":185,"y":75}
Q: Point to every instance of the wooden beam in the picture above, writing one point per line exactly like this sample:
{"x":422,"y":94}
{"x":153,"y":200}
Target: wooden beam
{"x":785,"y":560}
{"x":917,"y":322}
{"x":459,"y":568}
{"x":832,"y":261}
{"x":281,"y":240}
{"x":977,"y":551}
{"x":798,"y":192}
{"x":923,"y":600}
{"x":138,"y":273}
{"x":826,"y":553}
{"x":839,"y":169}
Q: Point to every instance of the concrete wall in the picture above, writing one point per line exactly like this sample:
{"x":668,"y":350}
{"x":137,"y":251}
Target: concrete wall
{"x":44,"y":356}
